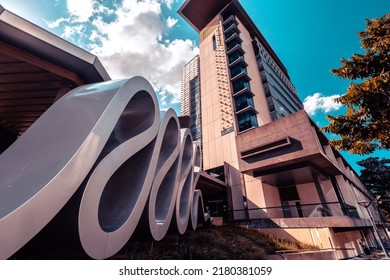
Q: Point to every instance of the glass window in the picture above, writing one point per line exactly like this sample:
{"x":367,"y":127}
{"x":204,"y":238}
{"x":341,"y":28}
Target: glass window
{"x":237,"y":70}
{"x":233,"y":43}
{"x":246,"y":120}
{"x":234,"y":56}
{"x":230,"y":33}
{"x":240,"y":84}
{"x":243,"y":101}
{"x":227,"y":25}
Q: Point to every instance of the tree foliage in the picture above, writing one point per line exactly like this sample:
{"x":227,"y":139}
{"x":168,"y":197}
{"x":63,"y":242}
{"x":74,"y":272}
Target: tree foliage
{"x":366,"y":125}
{"x":376,"y":177}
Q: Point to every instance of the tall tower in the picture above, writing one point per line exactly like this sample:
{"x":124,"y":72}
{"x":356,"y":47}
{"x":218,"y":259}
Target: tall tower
{"x":281,"y":172}
{"x":244,"y":85}
{"x":190,"y":97}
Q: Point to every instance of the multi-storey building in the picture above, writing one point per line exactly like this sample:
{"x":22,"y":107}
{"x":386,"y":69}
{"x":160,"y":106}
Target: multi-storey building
{"x":190,"y":97}
{"x":283,"y":176}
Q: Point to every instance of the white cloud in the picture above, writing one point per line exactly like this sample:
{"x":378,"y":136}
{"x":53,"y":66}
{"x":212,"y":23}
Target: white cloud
{"x":171,"y":22}
{"x":130,"y":39}
{"x":81,"y":9}
{"x":318,"y":102}
{"x":73,"y":32}
{"x":169,"y":3}
{"x":131,"y":45}
{"x":94,"y":37}
{"x":56,"y":23}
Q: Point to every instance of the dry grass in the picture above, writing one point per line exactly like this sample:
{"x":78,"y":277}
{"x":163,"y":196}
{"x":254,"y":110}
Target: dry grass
{"x":222,"y":243}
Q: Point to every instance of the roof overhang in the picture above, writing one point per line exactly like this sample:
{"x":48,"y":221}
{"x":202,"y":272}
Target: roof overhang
{"x":210,"y":186}
{"x":36,"y":68}
{"x":30,"y":38}
{"x":198,"y":13}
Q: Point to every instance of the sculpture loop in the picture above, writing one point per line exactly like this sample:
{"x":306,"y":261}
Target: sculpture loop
{"x":112,"y":137}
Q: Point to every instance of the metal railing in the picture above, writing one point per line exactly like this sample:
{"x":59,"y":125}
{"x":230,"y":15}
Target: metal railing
{"x":329,"y":209}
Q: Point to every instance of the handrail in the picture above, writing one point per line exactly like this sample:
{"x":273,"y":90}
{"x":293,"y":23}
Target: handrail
{"x":330,"y":209}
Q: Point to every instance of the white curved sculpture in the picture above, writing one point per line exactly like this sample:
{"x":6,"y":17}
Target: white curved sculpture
{"x":163,"y":193}
{"x":184,"y":193}
{"x":197,"y":210}
{"x":111,"y":136}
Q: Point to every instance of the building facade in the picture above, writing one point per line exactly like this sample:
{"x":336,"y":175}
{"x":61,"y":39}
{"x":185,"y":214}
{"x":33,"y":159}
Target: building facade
{"x":283,"y":176}
{"x":190,"y":97}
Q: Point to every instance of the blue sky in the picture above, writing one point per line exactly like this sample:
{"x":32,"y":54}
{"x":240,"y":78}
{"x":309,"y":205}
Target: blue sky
{"x":148,"y":38}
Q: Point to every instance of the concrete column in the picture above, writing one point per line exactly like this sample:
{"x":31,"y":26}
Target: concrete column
{"x":320,"y":191}
{"x":233,"y":179}
{"x":339,"y":195}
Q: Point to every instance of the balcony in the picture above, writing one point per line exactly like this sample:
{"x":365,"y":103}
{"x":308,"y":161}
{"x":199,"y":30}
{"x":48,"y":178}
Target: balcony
{"x":233,"y":43}
{"x":246,"y":119}
{"x":231,"y":27}
{"x":237,"y":47}
{"x":231,"y":18}
{"x":245,"y":90}
{"x":232,"y":37}
{"x":332,"y":214}
{"x":233,"y":56}
{"x":231,"y":33}
{"x":240,"y":75}
{"x":238,"y":61}
{"x":240,"y":89}
{"x":242,"y":102}
{"x":240,"y":84}
{"x":248,"y":108}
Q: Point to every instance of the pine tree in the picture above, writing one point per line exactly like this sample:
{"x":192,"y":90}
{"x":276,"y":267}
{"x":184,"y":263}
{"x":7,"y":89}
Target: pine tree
{"x":366,"y":125}
{"x":376,"y":177}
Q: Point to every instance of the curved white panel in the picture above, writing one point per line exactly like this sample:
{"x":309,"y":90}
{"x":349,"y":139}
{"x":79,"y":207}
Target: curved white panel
{"x":119,"y":186}
{"x":163,"y":193}
{"x":197,"y":209}
{"x":185,"y":191}
{"x":45,"y":166}
{"x":197,"y":163}
{"x":111,"y":138}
